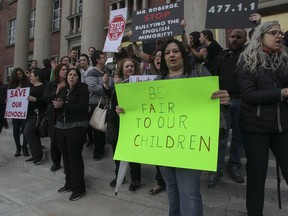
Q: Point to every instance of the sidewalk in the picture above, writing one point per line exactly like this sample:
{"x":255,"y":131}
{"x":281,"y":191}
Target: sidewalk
{"x":29,"y":190}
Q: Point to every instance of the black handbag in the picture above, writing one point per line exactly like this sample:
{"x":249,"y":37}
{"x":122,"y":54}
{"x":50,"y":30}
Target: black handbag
{"x":43,"y":127}
{"x":41,"y":124}
{"x":112,"y":126}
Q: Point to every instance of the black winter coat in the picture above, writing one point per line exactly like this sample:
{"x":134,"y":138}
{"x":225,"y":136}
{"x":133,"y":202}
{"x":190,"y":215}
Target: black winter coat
{"x":262,"y":109}
{"x":75,"y":106}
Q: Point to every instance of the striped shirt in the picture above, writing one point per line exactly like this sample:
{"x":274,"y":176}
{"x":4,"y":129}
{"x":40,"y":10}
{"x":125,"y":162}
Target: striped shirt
{"x":94,"y":80}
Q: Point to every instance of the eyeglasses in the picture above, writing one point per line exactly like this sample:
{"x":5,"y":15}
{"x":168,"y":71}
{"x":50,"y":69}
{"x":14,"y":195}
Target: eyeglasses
{"x":275,"y":33}
{"x":156,"y":56}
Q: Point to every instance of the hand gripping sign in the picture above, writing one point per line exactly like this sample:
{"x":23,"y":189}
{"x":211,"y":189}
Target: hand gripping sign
{"x":116,"y":30}
{"x":180,"y":124}
{"x":17,"y":103}
{"x":157,"y":22}
{"x":230,"y":14}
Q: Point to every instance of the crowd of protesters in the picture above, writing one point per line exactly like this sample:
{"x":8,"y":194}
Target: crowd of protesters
{"x":253,"y":80}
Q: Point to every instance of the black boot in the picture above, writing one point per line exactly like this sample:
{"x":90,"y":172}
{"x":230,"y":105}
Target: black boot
{"x":25,"y":151}
{"x":135,"y":185}
{"x":214,"y":178}
{"x":17,"y":153}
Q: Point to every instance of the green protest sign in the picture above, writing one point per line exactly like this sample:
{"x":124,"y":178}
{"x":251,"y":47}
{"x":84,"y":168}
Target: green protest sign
{"x":170,"y":123}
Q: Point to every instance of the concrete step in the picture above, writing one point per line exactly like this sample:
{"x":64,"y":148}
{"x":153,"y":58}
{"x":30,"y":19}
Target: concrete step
{"x":227,"y":198}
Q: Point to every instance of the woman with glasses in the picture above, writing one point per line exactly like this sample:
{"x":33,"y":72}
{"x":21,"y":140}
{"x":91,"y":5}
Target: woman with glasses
{"x":263,"y":77}
{"x":154,"y":59}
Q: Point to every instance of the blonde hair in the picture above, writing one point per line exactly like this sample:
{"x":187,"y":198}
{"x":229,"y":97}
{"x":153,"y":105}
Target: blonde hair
{"x":119,"y":71}
{"x":255,"y":58}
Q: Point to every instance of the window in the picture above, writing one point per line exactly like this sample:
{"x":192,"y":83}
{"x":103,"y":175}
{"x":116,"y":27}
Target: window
{"x":12,"y":31}
{"x":122,"y":4}
{"x":130,"y":8}
{"x":114,"y":7}
{"x":79,"y":6}
{"x":139,"y":4}
{"x":32,"y":23}
{"x":8,"y":72}
{"x":56,"y":15}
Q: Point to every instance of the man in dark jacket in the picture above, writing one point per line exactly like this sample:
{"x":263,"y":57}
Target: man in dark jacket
{"x":225,"y":68}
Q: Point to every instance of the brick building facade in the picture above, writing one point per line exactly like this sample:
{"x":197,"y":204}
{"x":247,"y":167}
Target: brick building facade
{"x":79,"y":24}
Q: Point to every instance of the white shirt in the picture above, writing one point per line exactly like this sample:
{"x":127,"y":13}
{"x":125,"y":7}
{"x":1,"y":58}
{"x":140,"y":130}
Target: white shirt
{"x":84,"y":73}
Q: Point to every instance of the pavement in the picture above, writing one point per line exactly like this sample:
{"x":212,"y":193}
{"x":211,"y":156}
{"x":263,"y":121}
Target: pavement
{"x":31,"y":190}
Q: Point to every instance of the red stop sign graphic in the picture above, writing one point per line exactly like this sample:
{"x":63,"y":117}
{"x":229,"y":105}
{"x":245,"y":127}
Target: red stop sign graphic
{"x":116,"y":27}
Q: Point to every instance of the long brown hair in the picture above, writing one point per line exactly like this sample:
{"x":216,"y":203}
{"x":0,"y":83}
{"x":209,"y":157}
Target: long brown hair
{"x":57,"y":72}
{"x":15,"y":81}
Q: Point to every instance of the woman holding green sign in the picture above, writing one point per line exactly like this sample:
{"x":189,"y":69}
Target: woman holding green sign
{"x":183,"y":185}
{"x":125,"y":69}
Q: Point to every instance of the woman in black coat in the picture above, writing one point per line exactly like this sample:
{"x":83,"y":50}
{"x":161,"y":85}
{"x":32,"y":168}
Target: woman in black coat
{"x":263,"y":77}
{"x":71,"y":126}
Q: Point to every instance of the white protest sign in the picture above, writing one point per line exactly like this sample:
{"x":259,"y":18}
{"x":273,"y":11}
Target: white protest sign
{"x":142,"y":78}
{"x":17,"y":103}
{"x":116,"y":30}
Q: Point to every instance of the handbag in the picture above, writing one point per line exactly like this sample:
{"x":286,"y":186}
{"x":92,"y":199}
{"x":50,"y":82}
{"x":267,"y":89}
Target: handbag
{"x":112,"y":120}
{"x":43,"y":127}
{"x":41,"y":124}
{"x":98,"y":119}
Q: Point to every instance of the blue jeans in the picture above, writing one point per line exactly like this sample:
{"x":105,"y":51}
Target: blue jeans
{"x":231,"y":115}
{"x":183,"y":190}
